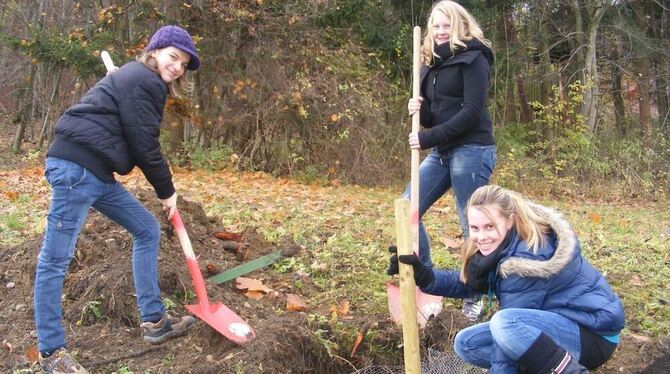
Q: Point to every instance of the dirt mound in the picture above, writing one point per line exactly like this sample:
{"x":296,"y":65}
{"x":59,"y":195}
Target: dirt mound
{"x":99,"y":308}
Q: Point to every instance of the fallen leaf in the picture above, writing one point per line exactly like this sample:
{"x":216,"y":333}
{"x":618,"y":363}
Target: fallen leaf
{"x":595,"y":217}
{"x":12,"y":195}
{"x":256,"y":295}
{"x":213,"y":269}
{"x":295,"y":303}
{"x":341,"y":309}
{"x":640,"y":338}
{"x":250,"y":284}
{"x":636,"y":281}
{"x":224,"y":235}
{"x":8,"y":346}
{"x":32,"y":354}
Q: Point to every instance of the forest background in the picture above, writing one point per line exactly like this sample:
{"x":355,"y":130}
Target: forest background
{"x":317,"y":90}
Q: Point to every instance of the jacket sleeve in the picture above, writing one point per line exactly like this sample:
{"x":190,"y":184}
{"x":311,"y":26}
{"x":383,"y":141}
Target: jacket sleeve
{"x":141,"y":115}
{"x":447,"y":283}
{"x":475,"y":92}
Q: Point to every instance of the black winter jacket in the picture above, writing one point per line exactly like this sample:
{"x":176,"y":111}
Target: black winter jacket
{"x":455,"y":95}
{"x":115,"y":127}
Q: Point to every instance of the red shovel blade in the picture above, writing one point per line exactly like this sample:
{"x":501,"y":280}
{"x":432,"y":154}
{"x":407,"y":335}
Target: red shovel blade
{"x":219,"y":316}
{"x":426,"y":305}
{"x":225,"y":321}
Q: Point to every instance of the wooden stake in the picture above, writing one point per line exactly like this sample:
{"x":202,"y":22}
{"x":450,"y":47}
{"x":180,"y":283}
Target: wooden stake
{"x":410,"y":329}
{"x":407,"y":232}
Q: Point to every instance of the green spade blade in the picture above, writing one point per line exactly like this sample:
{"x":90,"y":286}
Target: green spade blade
{"x":246,"y":268}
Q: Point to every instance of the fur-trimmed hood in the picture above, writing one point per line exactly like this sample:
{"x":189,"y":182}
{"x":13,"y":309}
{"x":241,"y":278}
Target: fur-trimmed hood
{"x":566,"y":249}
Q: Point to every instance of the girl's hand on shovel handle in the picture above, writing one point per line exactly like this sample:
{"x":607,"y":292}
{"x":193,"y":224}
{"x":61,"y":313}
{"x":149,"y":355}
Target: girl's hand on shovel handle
{"x":413,"y":139}
{"x":170,"y":205}
{"x":414,"y":105}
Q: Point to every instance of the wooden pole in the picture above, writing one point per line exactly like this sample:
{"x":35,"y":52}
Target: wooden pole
{"x":410,"y":329}
{"x":414,"y":181}
{"x":407,"y":235}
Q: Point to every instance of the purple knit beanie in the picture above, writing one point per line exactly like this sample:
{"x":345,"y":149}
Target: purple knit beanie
{"x":176,"y":37}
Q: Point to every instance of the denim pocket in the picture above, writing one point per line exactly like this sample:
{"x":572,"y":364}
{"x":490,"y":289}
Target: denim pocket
{"x":66,"y":173}
{"x":61,"y":236}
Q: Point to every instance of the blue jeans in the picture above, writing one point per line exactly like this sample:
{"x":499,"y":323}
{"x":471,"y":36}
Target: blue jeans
{"x":74,"y":191}
{"x":499,"y":343}
{"x":463,"y":169}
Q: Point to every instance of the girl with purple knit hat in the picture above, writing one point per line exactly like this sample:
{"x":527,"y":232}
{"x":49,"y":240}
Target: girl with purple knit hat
{"x":114,"y":127}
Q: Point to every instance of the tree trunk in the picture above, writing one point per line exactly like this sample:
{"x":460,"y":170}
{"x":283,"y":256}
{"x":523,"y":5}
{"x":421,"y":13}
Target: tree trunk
{"x":661,"y":90}
{"x":617,"y":88}
{"x":595,"y":10}
{"x":660,"y":29}
{"x":524,"y":106}
{"x":644,"y":99}
{"x":46,"y":124}
{"x":589,"y":109}
{"x":28,"y":98}
{"x":510,"y":41}
{"x":23,"y":115}
{"x":580,"y":36}
{"x":545,"y":66}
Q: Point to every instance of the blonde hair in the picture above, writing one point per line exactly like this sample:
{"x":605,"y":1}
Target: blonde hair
{"x":529,"y":225}
{"x":464,"y":27}
{"x":179,"y":87}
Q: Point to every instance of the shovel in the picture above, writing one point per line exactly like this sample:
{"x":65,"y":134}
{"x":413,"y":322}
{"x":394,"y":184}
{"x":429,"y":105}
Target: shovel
{"x":427,"y":306}
{"x":217,"y":315}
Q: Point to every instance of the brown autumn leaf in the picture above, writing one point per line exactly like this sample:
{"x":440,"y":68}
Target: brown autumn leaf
{"x":224,"y":235}
{"x":250,"y":284}
{"x":256,"y":295}
{"x":595,"y":217}
{"x":32,"y":354}
{"x":295,"y":303}
{"x":12,"y":195}
{"x":213,"y":269}
{"x":341,"y":309}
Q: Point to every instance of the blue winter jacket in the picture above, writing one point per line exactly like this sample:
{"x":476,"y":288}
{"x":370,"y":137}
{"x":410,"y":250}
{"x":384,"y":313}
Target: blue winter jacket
{"x":115,"y":127}
{"x":555,"y":279}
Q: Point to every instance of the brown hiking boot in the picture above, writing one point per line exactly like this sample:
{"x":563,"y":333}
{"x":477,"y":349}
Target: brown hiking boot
{"x":168,"y":327}
{"x":61,"y":362}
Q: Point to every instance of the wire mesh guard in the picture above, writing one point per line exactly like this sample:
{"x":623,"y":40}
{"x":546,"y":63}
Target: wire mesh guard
{"x":436,"y":362}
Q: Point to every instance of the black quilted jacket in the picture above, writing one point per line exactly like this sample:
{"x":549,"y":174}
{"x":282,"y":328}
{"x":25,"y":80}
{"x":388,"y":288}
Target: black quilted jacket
{"x":115,"y":127}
